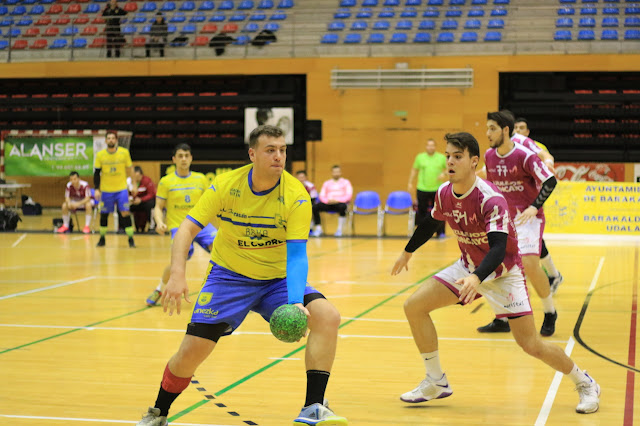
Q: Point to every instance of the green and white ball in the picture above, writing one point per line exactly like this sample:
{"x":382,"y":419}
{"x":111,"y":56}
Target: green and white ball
{"x":288,"y":323}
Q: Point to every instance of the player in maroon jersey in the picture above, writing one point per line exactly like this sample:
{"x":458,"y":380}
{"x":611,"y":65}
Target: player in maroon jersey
{"x":489,"y":266}
{"x":77,"y":196}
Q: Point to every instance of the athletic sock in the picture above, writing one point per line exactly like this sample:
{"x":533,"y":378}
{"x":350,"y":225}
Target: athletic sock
{"x":65,"y":219}
{"x":170,"y":388}
{"x":578,"y":376}
{"x":87,"y":220}
{"x":432,"y":364}
{"x":547,"y":304}
{"x":316,"y":385}
{"x":547,"y":263}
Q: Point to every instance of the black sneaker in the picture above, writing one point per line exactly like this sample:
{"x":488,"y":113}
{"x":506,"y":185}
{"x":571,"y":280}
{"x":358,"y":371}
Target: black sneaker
{"x":101,"y":242}
{"x":131,"y":243}
{"x":495,"y":326}
{"x":549,"y":324}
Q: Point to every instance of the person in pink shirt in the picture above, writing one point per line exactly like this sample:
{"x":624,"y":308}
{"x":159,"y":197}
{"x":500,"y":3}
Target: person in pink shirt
{"x":334,"y":196}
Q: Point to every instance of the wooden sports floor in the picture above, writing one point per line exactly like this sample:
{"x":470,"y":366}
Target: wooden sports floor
{"x":78,"y":345}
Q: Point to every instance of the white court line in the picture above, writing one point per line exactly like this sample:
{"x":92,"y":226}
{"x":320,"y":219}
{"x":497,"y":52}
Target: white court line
{"x":22,"y":237}
{"x":73,"y":419}
{"x":557,"y":378}
{"x":36,"y":290}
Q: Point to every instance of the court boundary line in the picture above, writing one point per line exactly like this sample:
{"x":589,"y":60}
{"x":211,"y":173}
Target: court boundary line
{"x":37,"y":290}
{"x":22,"y":237}
{"x":628,"y":401}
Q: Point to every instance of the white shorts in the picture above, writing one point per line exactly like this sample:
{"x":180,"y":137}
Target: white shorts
{"x":507,"y":295}
{"x":530,"y":236}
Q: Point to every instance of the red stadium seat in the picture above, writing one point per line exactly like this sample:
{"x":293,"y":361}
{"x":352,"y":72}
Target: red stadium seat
{"x":131,"y":7}
{"x":209,"y":29}
{"x":39,"y":43}
{"x":81,"y":19}
{"x":74,"y":8}
{"x":90,"y":30}
{"x":54,"y":9}
{"x":230,"y":28}
{"x":20,"y":44}
{"x":32,"y":32}
{"x":98,"y":42}
{"x":45,"y":20}
{"x":200,"y":41}
{"x":139,"y":41}
{"x":98,"y":20}
{"x":62,"y":20}
{"x":51,"y":32}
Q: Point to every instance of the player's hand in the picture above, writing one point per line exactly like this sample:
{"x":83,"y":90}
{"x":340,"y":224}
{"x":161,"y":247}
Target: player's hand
{"x":161,"y":228}
{"x":528,"y":214}
{"x":306,"y":312}
{"x":402,"y":262}
{"x":469,"y":288}
{"x":172,"y":296}
{"x":96,"y":194}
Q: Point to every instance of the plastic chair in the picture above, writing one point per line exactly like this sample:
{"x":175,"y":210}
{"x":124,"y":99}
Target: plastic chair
{"x":364,"y":13}
{"x":387,"y":12}
{"x":336,"y":26}
{"x":564,"y":23}
{"x":562,"y":35}
{"x":427,"y":24}
{"x":366,"y":203}
{"x":352,"y":38}
{"x":206,"y":6}
{"x":472,"y":24}
{"x":272,"y":26}
{"x":493,"y":36}
{"x":431,"y":12}
{"x":609,"y":35}
{"x":475,"y":12}
{"x":258,"y":17}
{"x":470,"y":36}
{"x":329,"y":39}
{"x":586,"y":35}
{"x":496,"y":23}
{"x":422,"y":38}
{"x":400,"y":203}
{"x":375,"y":38}
{"x":398,"y":38}
{"x":265,"y":4}
{"x":610,"y":22}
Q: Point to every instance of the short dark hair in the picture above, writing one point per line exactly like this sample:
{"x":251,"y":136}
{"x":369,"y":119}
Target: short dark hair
{"x":464,"y":140}
{"x":335,"y":166}
{"x":504,"y":118}
{"x":522,"y":120}
{"x":301,"y":171}
{"x":138,"y":169}
{"x":264,"y":130}
{"x":181,"y":146}
{"x":74,"y":173}
{"x":111,"y":133}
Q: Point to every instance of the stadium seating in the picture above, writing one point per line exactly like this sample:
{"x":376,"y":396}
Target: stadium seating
{"x":398,"y":38}
{"x":329,"y":39}
{"x":422,"y":38}
{"x":469,"y":36}
{"x":352,"y":38}
{"x":586,"y":35}
{"x":562,"y":35}
{"x":375,"y":38}
{"x":445,"y":37}
{"x":493,"y":36}
{"x":609,"y":35}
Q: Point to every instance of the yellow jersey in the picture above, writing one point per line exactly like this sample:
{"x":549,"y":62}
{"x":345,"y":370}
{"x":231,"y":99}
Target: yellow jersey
{"x":113,"y":177}
{"x":542,"y":146}
{"x":253,"y":227}
{"x":181,"y":194}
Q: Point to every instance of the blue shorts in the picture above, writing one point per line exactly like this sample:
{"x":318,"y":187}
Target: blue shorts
{"x":204,"y":238}
{"x":227,"y":297}
{"x":110,"y":199}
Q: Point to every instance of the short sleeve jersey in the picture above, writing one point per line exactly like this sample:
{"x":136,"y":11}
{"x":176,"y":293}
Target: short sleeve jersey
{"x":113,"y":177}
{"x":429,"y":169}
{"x":518,"y":175}
{"x":526,"y":142}
{"x":472,"y":216}
{"x":79,"y":193}
{"x":181,"y":194}
{"x":254,"y":227}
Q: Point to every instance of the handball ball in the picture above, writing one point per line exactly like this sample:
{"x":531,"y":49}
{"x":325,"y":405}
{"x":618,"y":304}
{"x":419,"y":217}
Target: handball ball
{"x":288,"y":323}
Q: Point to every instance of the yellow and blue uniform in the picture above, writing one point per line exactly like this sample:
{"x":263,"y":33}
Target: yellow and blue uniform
{"x":257,"y":233}
{"x":181,"y":193}
{"x":113,"y":178}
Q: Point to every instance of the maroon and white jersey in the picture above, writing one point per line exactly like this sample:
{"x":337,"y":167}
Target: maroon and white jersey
{"x":311,"y":189}
{"x":77,"y":194}
{"x":526,"y":142}
{"x":518,"y":175}
{"x":471,"y":217}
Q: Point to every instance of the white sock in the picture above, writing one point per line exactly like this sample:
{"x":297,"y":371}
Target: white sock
{"x":318,"y":228}
{"x":341,"y":222}
{"x":578,"y":375}
{"x":432,"y":365}
{"x":503,"y":319}
{"x":87,"y":220}
{"x":547,"y":262}
{"x":65,"y":219}
{"x":159,"y":288}
{"x":547,"y":304}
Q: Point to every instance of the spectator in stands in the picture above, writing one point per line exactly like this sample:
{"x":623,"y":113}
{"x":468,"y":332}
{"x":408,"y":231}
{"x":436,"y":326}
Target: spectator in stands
{"x":430,"y":167}
{"x":219,"y":42}
{"x":144,"y":201}
{"x":309,"y":186}
{"x":264,"y":37}
{"x":115,"y":39}
{"x":158,"y":35}
{"x":334,"y":196}
{"x":77,"y":196}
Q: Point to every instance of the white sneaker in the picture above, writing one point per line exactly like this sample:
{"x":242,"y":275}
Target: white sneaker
{"x":153,"y":418}
{"x":428,"y":389}
{"x":317,"y":231}
{"x":589,"y":393}
{"x":338,"y":233}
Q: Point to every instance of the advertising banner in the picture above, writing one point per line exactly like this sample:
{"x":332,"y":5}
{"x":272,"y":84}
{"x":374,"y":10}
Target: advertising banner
{"x":590,"y":172}
{"x":594,"y":208}
{"x":48,"y":155}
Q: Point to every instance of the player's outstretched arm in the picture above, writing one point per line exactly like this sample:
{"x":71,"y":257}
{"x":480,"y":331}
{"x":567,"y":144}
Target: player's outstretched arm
{"x":177,"y":286}
{"x":158,"y":216}
{"x":401,"y":263}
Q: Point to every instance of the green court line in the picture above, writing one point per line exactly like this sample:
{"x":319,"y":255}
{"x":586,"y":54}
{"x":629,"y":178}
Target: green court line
{"x":276,"y":362}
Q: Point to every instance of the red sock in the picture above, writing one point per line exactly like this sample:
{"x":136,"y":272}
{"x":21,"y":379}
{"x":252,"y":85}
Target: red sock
{"x":172,"y":383}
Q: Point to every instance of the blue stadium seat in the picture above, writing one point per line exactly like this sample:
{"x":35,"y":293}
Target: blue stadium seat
{"x":278,"y":16}
{"x":72,"y":31}
{"x":79,"y":43}
{"x":427,"y":24}
{"x":171,"y":28}
{"x":342,"y":14}
{"x":347,"y":3}
{"x":19,"y":10}
{"x":398,"y":38}
{"x":564,"y":23}
{"x":95,"y":8}
{"x":361,"y":25}
{"x":189,"y":29}
{"x":449,"y":24}
{"x":370,"y":3}
{"x":500,"y":11}
{"x":409,"y":12}
{"x":413,"y":3}
{"x":475,"y":12}
{"x":586,"y":35}
{"x":36,"y":9}
{"x":225,"y":5}
{"x":6,"y":22}
{"x":168,"y":6}
{"x":188,"y":6}
{"x":609,"y":35}
{"x":258,"y":17}
{"x":11,"y":2}
{"x":431,"y":12}
{"x":469,"y":36}
{"x":422,"y":38}
{"x":566,"y":11}
{"x":139,"y":18}
{"x":589,"y":1}
{"x":364,"y":13}
{"x":352,"y":38}
{"x":378,"y":25}
{"x":198,"y":17}
{"x":562,"y":35}
{"x":632,"y":21}
{"x":588,"y":11}
{"x":376,"y":38}
{"x":218,"y":17}
{"x":29,"y":1}
{"x":3,"y":10}
{"x":567,"y":1}
{"x":335,"y":26}
{"x":251,"y":27}
{"x":453,"y":12}
{"x":178,"y":18}
{"x":237,"y":17}
{"x":387,"y":12}
{"x":478,"y":2}
{"x":148,"y":6}
{"x":127,"y":30}
{"x":500,"y":1}
{"x":25,"y":21}
{"x":632,"y":35}
{"x":206,"y":6}
{"x":610,"y":22}
{"x":456,"y":2}
{"x":435,"y":2}
{"x":50,"y":1}
{"x":632,"y":10}
{"x":446,"y":37}
{"x":493,"y":36}
{"x":404,"y":25}
{"x":265,"y":4}
{"x":472,"y":24}
{"x":392,"y":3}
{"x":587,"y":23}
{"x":272,"y":26}
{"x":329,"y":39}
{"x":13,"y":33}
{"x":246,"y":5}
{"x":59,"y":43}
{"x":242,"y":40}
{"x":146,"y":29}
{"x":285,"y":4}
{"x":610,"y":11}
{"x":495,"y":23}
